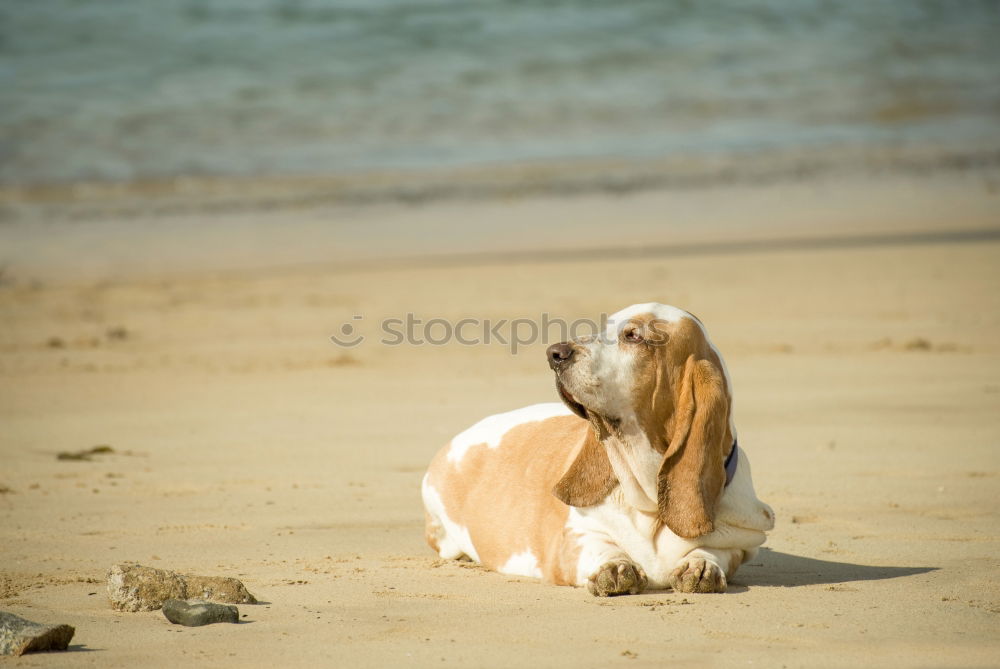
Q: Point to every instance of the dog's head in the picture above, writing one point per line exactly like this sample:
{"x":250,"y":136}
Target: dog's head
{"x":653,"y":367}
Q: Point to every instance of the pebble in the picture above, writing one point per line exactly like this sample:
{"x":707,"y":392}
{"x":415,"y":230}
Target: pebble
{"x":19,"y":636}
{"x":197,"y":613}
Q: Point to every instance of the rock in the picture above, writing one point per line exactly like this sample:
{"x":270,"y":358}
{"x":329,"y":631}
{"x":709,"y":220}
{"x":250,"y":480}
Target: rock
{"x":197,"y":613}
{"x":19,"y":636}
{"x":132,"y":587}
{"x":218,"y":589}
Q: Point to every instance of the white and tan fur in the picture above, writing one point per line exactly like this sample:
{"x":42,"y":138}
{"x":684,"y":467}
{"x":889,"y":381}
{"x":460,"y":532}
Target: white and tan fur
{"x":623,"y":485}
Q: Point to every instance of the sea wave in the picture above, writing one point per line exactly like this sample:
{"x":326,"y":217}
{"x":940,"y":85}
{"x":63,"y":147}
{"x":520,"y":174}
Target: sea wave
{"x":147,"y":90}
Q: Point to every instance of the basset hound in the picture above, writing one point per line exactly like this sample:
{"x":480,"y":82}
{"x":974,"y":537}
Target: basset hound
{"x":634,"y":480}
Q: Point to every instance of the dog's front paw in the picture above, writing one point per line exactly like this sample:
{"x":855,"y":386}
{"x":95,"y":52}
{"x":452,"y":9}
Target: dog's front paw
{"x":696,"y":574}
{"x":617,"y":577}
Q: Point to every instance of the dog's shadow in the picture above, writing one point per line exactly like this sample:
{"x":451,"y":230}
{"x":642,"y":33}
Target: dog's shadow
{"x":777,"y":569}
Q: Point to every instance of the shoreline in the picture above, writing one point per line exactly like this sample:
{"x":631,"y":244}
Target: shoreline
{"x":852,"y":208}
{"x":220,"y":194}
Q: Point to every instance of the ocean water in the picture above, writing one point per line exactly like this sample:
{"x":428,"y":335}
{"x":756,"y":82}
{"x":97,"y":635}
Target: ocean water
{"x":120,"y":90}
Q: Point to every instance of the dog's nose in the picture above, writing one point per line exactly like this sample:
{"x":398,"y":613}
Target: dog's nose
{"x":559,"y":354}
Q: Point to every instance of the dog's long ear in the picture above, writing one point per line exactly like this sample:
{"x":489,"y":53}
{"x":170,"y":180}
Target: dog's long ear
{"x":590,"y":478}
{"x":693,"y":473}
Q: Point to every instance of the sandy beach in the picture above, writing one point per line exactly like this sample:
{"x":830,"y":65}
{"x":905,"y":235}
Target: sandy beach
{"x":245,"y":443}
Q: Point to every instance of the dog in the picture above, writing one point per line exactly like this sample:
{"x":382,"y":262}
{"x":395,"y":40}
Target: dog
{"x":635,"y":480}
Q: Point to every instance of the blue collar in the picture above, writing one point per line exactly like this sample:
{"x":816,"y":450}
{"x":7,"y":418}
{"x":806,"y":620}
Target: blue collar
{"x":731,"y":462}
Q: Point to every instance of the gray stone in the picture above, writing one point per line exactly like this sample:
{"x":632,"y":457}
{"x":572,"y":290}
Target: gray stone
{"x":197,"y":613}
{"x":19,"y":636}
{"x":132,"y":587}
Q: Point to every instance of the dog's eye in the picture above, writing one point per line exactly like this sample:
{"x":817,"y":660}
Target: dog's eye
{"x":632,"y":334}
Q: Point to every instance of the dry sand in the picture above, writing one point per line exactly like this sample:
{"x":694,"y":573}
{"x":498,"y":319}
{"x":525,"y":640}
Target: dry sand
{"x":246,"y":444}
